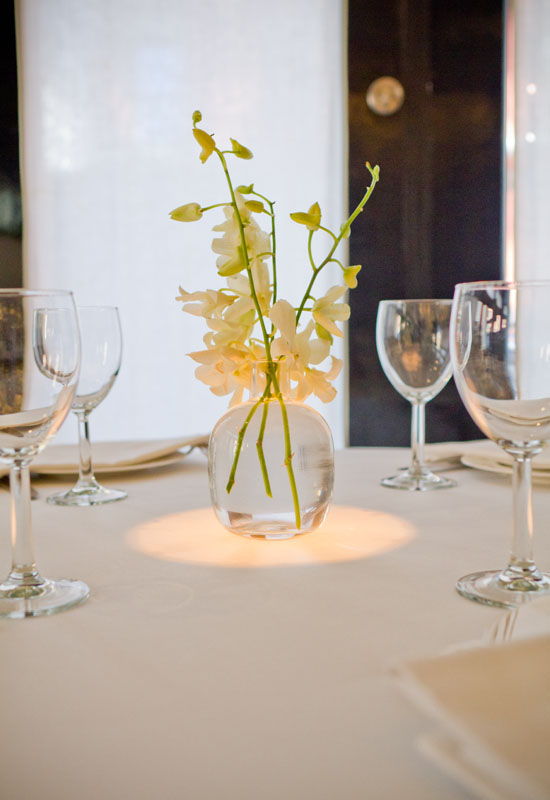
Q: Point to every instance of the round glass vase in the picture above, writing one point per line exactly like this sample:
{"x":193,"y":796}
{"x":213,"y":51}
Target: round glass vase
{"x":271,"y":464}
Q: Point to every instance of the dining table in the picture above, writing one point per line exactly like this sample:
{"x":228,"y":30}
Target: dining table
{"x":207,"y":665}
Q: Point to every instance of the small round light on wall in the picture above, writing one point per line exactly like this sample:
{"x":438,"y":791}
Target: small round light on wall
{"x":385,"y":96}
{"x":530,"y":137}
{"x":531,"y":88}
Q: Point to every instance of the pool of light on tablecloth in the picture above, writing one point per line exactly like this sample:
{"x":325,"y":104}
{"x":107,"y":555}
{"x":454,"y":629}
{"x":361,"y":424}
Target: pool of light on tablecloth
{"x":196,"y":537}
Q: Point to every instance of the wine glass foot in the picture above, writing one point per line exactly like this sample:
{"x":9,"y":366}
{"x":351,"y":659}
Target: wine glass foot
{"x":418,"y":482}
{"x":47,"y":597}
{"x":95,"y":495}
{"x":494,"y":588}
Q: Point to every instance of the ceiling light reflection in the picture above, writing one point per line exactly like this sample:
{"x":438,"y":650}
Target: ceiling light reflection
{"x":196,"y":537}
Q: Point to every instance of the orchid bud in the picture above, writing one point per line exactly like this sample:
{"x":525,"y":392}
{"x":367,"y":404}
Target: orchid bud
{"x":311,"y":220}
{"x":350,"y":276}
{"x":240,"y":150}
{"x":255,"y":205}
{"x":187,"y":213}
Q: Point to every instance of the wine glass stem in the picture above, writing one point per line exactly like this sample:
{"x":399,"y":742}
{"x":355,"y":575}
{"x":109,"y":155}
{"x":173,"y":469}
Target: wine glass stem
{"x":23,"y":569}
{"x":417,"y":436}
{"x":521,"y":556}
{"x":86,"y":473}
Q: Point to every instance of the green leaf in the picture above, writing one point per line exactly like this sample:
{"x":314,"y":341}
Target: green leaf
{"x":240,"y":150}
{"x":255,"y":205}
{"x":206,"y":142}
{"x":245,"y":189}
{"x":187,"y":213}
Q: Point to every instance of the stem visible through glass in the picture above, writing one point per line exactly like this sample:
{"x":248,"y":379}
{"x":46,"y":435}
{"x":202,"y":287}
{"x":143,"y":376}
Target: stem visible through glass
{"x":23,"y":572}
{"x":418,"y":418}
{"x":521,"y":571}
{"x":85,"y":468}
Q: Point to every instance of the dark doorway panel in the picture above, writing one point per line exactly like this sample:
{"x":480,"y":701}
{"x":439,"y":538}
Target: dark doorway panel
{"x":10,"y":189}
{"x":435,"y":217}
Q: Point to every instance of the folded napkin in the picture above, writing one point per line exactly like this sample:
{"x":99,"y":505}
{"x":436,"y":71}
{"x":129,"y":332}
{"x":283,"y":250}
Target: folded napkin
{"x":493,"y":706}
{"x":115,"y":456}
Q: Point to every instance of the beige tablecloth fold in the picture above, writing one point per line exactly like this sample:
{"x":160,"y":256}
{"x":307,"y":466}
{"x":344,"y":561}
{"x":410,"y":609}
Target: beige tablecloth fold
{"x":493,"y":708}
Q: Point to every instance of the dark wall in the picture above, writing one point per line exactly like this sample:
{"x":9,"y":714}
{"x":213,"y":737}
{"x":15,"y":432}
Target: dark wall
{"x":10,"y":190}
{"x":435,"y":217}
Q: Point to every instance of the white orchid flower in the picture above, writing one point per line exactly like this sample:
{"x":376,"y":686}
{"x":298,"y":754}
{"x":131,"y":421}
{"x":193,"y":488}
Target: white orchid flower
{"x":321,"y":382}
{"x":231,"y":258}
{"x":298,"y":352}
{"x":240,"y":285}
{"x":204,"y":304}
{"x":228,"y":332}
{"x":326,"y":311}
{"x":227,"y":369}
{"x":294,"y":345}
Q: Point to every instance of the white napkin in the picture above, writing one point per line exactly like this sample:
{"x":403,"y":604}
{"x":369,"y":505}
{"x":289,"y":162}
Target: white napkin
{"x":493,"y":706}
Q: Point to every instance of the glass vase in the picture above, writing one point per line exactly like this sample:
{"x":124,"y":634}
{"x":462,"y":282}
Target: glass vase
{"x":271,"y":466}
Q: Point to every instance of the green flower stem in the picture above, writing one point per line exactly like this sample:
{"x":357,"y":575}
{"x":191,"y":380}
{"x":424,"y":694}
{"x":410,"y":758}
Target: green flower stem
{"x":343,"y":232}
{"x":267,"y":343}
{"x":347,"y":225}
{"x":326,"y":230}
{"x":246,"y":258}
{"x":273,"y":256}
{"x":260,"y":449}
{"x":273,"y":247}
{"x":246,"y":423}
{"x":309,"y":251}
{"x":288,"y":459}
{"x":216,"y":205}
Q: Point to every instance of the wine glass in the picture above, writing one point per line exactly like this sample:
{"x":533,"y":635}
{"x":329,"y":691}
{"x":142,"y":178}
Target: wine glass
{"x":101,"y":355}
{"x":412,"y":339}
{"x":39,"y":361}
{"x":500,"y":351}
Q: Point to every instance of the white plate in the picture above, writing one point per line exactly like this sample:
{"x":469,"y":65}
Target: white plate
{"x":497,"y":467}
{"x":114,"y":457}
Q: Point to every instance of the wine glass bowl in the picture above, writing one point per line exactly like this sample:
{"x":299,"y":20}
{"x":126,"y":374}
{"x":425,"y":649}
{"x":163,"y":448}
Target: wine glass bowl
{"x":500,"y":337}
{"x":412,"y":339}
{"x":39,"y":362}
{"x":101,"y":338}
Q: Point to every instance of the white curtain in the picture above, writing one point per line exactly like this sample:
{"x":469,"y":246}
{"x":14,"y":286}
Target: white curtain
{"x":107,"y":90}
{"x":527,"y":172}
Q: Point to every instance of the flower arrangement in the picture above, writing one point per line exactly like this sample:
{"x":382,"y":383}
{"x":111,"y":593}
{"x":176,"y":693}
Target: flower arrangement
{"x":249,"y":323}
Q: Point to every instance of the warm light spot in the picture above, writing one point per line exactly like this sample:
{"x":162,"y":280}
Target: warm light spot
{"x":411,"y":359}
{"x":530,"y":137}
{"x":196,"y":537}
{"x":531,"y":88}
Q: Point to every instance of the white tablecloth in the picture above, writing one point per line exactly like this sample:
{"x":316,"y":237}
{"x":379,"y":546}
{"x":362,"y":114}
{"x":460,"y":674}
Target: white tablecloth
{"x":206,"y":666}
